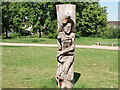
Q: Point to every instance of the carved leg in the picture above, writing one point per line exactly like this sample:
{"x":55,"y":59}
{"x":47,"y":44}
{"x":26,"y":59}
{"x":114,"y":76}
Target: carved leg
{"x":67,"y":72}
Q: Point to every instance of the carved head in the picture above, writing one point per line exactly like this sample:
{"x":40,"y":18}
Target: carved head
{"x":67,"y":14}
{"x":67,"y":25}
{"x":67,"y":28}
{"x":66,"y":18}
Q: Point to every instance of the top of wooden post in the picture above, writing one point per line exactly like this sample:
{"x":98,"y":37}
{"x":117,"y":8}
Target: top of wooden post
{"x":65,"y":9}
{"x":65,"y":4}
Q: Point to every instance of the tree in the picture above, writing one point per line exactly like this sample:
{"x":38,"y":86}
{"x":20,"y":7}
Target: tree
{"x":90,"y":17}
{"x":21,"y":15}
{"x":36,"y":14}
{"x":5,"y":18}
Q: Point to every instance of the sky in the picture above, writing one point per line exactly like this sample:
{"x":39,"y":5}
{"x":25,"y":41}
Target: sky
{"x":112,"y":9}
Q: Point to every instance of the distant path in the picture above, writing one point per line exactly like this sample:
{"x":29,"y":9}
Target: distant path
{"x":55,"y":45}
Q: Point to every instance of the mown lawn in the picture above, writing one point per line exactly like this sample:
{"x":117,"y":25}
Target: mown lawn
{"x":35,"y":67}
{"x":79,"y":41}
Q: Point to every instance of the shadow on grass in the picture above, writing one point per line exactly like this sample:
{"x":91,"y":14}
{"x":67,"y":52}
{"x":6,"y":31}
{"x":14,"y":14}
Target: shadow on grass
{"x":53,"y":82}
{"x":76,"y":77}
{"x":7,"y":37}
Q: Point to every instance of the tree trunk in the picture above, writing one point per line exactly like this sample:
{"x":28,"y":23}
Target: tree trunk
{"x":39,"y":33}
{"x":6,"y":33}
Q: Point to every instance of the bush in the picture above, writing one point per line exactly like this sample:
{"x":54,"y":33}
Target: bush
{"x":25,"y":33}
{"x":14,"y":35}
{"x":110,"y":33}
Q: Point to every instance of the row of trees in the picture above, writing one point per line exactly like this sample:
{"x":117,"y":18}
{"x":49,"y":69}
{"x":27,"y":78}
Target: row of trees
{"x":91,"y":18}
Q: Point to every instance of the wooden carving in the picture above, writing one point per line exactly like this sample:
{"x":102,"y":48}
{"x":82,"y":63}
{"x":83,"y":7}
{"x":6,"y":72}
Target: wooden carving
{"x":66,"y":45}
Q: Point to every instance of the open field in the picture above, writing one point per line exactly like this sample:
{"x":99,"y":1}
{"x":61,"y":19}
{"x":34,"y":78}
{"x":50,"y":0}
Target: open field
{"x":35,"y":67}
{"x":79,"y":41}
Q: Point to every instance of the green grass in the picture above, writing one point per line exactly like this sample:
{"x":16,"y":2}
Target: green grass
{"x":79,"y":41}
{"x":92,"y":41}
{"x":30,"y":40}
{"x":0,"y":67}
{"x":35,"y":67}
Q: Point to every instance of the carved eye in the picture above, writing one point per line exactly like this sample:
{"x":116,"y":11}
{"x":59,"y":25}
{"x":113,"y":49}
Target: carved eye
{"x":69,"y":27}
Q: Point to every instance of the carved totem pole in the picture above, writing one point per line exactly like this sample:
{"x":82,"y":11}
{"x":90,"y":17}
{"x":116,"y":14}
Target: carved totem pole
{"x":66,"y":44}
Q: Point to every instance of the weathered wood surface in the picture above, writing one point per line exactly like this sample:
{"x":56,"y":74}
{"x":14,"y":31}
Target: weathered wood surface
{"x":62,"y":10}
{"x":66,"y":14}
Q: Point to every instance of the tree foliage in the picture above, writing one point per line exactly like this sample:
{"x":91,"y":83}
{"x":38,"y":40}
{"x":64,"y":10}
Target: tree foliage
{"x":90,"y":17}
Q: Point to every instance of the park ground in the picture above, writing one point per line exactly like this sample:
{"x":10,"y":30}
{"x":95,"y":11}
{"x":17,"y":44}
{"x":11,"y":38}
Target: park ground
{"x":78,"y":41}
{"x":35,"y":67}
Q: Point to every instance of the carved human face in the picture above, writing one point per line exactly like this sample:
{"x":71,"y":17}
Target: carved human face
{"x":67,"y":28}
{"x":65,"y":21}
